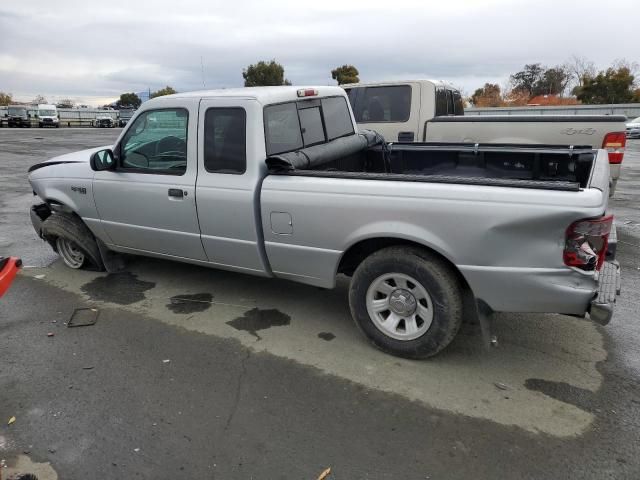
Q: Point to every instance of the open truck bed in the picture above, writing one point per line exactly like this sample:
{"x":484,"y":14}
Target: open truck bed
{"x":551,"y":167}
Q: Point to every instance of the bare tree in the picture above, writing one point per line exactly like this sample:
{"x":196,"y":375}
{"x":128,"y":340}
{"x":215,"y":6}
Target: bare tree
{"x":5,"y":98}
{"x":39,"y":99}
{"x":66,"y":103}
{"x":580,"y":68}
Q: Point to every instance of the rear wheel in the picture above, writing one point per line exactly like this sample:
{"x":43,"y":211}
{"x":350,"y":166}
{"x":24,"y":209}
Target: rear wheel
{"x":407,"y":301}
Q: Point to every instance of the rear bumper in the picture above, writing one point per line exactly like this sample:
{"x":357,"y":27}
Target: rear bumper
{"x":565,"y":291}
{"x":614,"y":170}
{"x":609,"y":283}
{"x":533,"y":290}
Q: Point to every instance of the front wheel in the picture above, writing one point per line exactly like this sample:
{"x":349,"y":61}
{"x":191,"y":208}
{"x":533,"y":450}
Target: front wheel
{"x":407,"y":301}
{"x":72,"y":240}
{"x":71,"y":254}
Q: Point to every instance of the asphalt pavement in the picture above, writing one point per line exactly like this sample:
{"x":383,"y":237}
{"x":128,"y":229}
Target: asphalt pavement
{"x":197,"y":373}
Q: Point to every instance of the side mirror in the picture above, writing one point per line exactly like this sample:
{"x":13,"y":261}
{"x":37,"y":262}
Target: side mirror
{"x":103,"y":160}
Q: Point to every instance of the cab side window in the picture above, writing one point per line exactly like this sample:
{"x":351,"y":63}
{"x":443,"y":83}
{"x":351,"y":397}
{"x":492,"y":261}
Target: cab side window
{"x":156,"y":143}
{"x":225,"y":140}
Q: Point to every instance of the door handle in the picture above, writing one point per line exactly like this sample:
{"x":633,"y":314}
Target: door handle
{"x":177,"y":193}
{"x":405,"y":136}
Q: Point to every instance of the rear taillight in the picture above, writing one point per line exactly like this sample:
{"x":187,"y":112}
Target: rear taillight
{"x":586,"y":243}
{"x":614,"y":143}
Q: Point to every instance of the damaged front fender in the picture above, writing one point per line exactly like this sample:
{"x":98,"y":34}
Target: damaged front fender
{"x":39,"y":213}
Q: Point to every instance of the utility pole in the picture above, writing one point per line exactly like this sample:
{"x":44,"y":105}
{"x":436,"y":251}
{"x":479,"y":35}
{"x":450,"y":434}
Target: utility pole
{"x":202,"y":69}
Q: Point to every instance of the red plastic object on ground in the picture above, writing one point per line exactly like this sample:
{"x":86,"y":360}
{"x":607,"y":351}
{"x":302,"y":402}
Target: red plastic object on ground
{"x":8,"y":269}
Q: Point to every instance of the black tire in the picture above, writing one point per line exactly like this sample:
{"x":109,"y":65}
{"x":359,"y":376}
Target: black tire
{"x":70,"y":226}
{"x":438,"y":279}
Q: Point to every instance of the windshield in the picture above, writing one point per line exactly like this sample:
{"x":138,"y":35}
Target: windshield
{"x":17,"y":111}
{"x":47,"y":113}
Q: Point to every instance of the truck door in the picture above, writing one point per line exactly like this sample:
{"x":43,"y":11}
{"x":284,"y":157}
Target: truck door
{"x":231,"y":166}
{"x":391,"y":110}
{"x":148,"y":202}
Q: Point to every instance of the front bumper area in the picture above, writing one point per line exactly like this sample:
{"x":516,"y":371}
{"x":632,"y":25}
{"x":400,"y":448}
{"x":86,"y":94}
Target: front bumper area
{"x":39,"y":214}
{"x":609,"y":282}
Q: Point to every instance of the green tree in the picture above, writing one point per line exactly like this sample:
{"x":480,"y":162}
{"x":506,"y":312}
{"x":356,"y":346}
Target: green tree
{"x":345,"y":74}
{"x":5,"y":99}
{"x":264,"y":74}
{"x":487,"y":96}
{"x":615,"y":85}
{"x":552,"y":81}
{"x":162,"y":92}
{"x":526,"y":79}
{"x":129,"y":100}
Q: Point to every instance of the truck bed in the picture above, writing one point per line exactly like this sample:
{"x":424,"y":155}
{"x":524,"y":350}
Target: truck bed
{"x":550,"y":167}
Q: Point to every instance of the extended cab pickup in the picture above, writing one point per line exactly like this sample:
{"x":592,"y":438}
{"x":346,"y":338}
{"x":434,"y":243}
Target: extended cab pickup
{"x":433,"y":111}
{"x":278,"y":182}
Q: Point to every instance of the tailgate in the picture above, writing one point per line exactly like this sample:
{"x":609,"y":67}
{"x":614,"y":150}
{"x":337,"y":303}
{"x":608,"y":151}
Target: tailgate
{"x":600,"y":172}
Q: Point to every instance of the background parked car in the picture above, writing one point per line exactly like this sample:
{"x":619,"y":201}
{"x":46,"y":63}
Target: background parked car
{"x":48,"y":116}
{"x":104,"y":120}
{"x":18,"y":116}
{"x":633,"y":128}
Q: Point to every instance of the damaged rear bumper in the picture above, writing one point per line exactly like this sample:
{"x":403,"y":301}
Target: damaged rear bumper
{"x":609,"y":281}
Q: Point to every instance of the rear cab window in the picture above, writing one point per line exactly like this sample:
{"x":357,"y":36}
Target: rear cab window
{"x":294,"y":125}
{"x":390,"y":104}
{"x":448,"y":102}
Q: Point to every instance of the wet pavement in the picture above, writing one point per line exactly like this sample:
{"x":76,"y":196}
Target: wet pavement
{"x":198,"y":373}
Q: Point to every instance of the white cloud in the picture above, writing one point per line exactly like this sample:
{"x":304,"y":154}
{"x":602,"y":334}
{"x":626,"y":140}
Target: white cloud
{"x":87,"y":50}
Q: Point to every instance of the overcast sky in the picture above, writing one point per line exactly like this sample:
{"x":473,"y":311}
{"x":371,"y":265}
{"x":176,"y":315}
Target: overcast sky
{"x":92,"y":51}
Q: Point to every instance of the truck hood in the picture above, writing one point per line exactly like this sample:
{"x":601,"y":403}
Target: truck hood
{"x":82,"y":156}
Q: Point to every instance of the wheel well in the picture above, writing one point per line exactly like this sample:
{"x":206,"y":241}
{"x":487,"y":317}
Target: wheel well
{"x":356,"y":254}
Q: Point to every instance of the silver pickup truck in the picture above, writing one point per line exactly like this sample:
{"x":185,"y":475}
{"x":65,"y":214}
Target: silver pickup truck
{"x":279,"y":182}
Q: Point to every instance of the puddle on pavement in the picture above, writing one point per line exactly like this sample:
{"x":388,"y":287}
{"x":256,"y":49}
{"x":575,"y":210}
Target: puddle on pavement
{"x":23,"y":467}
{"x":122,"y":288}
{"x":328,"y":336}
{"x":257,"y":319}
{"x":193,"y":303}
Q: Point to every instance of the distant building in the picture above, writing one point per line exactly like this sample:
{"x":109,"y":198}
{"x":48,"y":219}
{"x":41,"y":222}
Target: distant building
{"x":547,"y":100}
